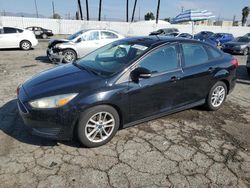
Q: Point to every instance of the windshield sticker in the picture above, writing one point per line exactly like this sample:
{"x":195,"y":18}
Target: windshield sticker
{"x":139,"y":47}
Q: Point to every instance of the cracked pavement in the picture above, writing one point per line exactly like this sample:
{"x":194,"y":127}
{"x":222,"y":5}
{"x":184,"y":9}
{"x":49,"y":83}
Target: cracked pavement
{"x":192,"y":148}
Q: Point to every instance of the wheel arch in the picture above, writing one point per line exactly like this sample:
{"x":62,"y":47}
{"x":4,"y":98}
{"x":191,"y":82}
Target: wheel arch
{"x":23,"y":41}
{"x":116,"y":107}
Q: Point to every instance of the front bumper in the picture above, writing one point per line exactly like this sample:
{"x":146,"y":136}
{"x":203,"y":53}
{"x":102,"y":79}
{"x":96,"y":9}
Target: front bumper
{"x":54,"y":56}
{"x":233,"y":50}
{"x":49,"y":123}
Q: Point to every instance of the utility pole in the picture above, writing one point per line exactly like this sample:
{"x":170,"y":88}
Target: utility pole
{"x":127,"y":10}
{"x":132,"y":19}
{"x":53,"y":8}
{"x":80,"y":8}
{"x":36,"y":9}
{"x":87,"y":9}
{"x":100,"y":10}
{"x":158,"y":10}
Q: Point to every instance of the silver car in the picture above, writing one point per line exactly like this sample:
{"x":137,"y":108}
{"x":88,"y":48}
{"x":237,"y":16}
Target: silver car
{"x":80,"y":44}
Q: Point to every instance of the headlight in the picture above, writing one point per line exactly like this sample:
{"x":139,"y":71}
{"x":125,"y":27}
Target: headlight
{"x":57,"y":46}
{"x":242,"y":46}
{"x":53,"y":102}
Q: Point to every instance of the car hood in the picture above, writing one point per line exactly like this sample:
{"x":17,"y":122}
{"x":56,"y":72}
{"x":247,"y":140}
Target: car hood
{"x":60,"y":80}
{"x":58,"y":41}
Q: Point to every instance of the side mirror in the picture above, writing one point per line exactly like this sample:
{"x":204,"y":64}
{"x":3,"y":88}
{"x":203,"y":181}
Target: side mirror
{"x":79,"y":40}
{"x":138,"y":73}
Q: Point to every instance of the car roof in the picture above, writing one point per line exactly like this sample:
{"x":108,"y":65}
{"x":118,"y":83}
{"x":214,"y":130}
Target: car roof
{"x":153,"y":41}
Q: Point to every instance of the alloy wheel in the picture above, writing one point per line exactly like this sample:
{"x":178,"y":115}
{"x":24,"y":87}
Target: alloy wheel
{"x":69,"y":56}
{"x":99,"y":127}
{"x":218,"y":96}
{"x":26,"y":45}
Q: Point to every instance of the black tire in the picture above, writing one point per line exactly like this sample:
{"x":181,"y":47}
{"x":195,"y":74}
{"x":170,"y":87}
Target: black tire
{"x":25,"y":45}
{"x":82,"y":129}
{"x":209,"y":104}
{"x":246,"y":51}
{"x":248,"y":71}
{"x":69,"y":56}
{"x":44,"y":36}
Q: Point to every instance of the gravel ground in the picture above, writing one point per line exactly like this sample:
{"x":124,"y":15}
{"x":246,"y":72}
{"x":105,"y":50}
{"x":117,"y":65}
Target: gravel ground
{"x":193,"y":148}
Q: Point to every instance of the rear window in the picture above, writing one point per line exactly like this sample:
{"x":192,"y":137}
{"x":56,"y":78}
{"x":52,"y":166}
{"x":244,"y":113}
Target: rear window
{"x":194,"y":54}
{"x":213,"y":53}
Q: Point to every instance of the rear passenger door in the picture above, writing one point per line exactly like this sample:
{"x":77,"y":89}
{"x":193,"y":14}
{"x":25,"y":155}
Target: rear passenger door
{"x":198,"y":62}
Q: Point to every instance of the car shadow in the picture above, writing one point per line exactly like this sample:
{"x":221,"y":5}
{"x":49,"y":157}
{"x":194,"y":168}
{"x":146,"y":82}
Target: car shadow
{"x":13,"y":125}
{"x":44,"y":59}
{"x":242,"y":76}
{"x":14,"y":49}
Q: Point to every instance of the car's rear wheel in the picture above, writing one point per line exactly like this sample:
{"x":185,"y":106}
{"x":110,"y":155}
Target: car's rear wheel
{"x":44,"y":36}
{"x":69,"y":56}
{"x":246,"y":51}
{"x":25,"y":45}
{"x":98,"y":125}
{"x":216,"y":96}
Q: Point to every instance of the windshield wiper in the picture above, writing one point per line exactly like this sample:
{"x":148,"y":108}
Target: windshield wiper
{"x":85,"y":68}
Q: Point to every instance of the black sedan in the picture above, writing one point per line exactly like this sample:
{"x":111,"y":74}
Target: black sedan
{"x":125,"y":83}
{"x":240,"y":45}
{"x":41,"y":32}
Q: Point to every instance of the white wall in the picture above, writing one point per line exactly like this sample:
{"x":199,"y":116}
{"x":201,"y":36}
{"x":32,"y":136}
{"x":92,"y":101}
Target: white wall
{"x":128,"y":29}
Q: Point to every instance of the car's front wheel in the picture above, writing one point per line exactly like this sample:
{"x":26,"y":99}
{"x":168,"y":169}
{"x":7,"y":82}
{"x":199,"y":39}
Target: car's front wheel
{"x":246,"y":51}
{"x":98,"y":125}
{"x":25,"y":45}
{"x":69,"y":56}
{"x":44,"y":36}
{"x":216,"y":96}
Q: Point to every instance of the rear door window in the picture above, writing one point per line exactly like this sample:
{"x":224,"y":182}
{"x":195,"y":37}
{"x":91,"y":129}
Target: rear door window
{"x":194,"y":54}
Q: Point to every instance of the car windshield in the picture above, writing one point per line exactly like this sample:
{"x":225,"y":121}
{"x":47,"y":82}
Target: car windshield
{"x":242,"y":39}
{"x":217,"y":35}
{"x":112,"y":58}
{"x":75,"y":35}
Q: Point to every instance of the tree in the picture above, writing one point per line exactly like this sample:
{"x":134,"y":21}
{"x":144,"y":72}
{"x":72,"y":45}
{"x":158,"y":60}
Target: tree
{"x":245,"y":13}
{"x":56,"y":16}
{"x":149,"y":16}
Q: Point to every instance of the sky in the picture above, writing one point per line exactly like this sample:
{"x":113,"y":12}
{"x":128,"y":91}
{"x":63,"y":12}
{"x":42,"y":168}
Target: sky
{"x":115,"y":9}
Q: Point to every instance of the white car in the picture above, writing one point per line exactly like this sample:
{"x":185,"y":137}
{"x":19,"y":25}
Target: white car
{"x":80,"y":44}
{"x":11,"y":37}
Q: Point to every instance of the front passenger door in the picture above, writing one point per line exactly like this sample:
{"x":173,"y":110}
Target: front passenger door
{"x":89,"y":42}
{"x":161,"y":91}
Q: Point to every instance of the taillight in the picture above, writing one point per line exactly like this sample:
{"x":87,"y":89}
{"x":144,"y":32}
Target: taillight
{"x":17,"y":90}
{"x":235,"y":62}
